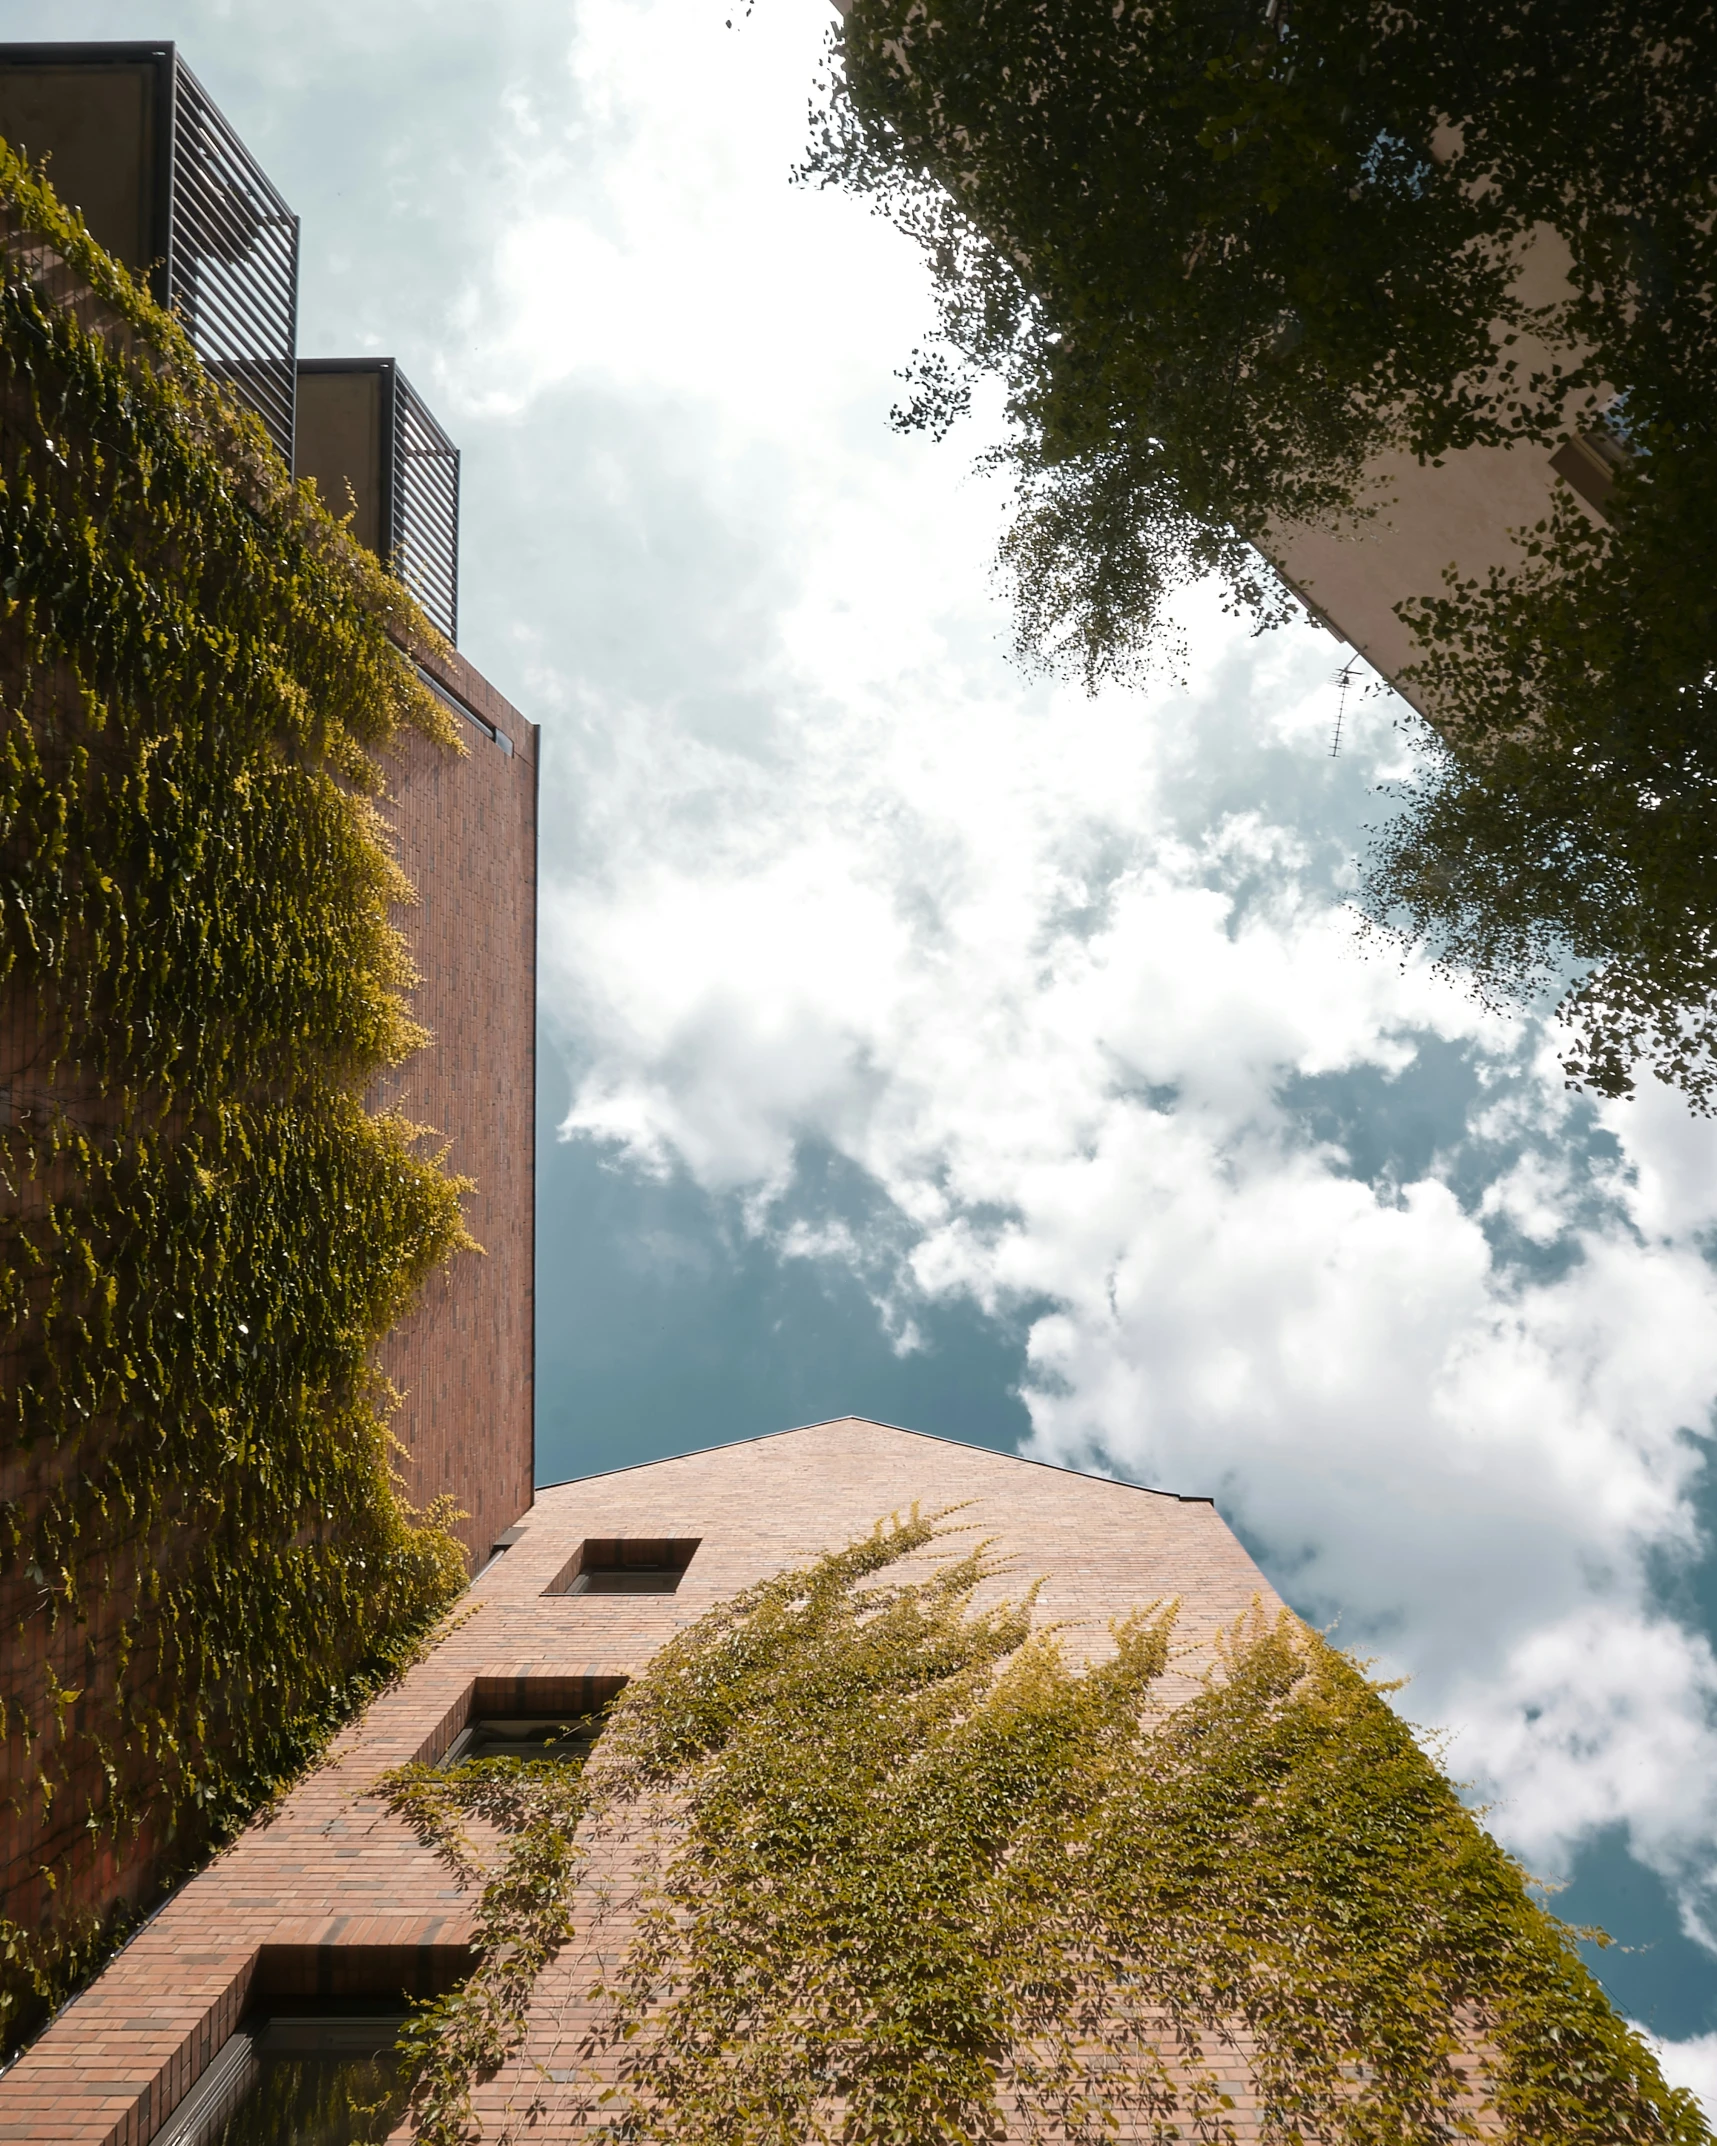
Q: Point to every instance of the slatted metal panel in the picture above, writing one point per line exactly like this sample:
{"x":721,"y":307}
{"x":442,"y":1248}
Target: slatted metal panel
{"x":173,"y":193}
{"x":425,"y":503}
{"x":233,"y":260}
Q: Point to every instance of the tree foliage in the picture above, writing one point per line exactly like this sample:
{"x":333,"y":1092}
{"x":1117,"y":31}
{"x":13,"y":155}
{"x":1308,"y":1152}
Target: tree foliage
{"x":1567,"y":818}
{"x":1224,"y":254}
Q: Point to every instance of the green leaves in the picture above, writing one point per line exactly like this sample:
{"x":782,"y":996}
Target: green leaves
{"x":1564,"y":838}
{"x":205,"y":1233}
{"x":917,"y":1879}
{"x":1124,"y":204}
{"x":524,"y":1916}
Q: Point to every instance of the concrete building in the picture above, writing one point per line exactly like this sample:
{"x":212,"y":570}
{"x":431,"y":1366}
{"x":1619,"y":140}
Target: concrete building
{"x":1462,"y":514}
{"x":1467,"y":512}
{"x":304,"y":1942}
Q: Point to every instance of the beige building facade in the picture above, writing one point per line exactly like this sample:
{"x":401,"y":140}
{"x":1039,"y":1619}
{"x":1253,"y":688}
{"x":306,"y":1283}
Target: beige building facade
{"x":1465,"y":514}
{"x":325,"y":1918}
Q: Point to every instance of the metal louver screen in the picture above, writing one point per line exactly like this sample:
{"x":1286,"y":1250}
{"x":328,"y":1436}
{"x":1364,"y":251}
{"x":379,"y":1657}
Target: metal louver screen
{"x":425,"y":508}
{"x":234,"y":261}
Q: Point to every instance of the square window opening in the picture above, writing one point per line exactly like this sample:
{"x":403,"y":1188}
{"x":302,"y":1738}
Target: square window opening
{"x":505,"y":1736}
{"x":333,"y":2079}
{"x":527,"y":1717}
{"x":314,"y":2062}
{"x":626,"y":1565}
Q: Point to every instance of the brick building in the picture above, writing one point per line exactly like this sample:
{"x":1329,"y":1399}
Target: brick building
{"x":316,"y":1926}
{"x":463,"y":1359}
{"x":165,"y":184}
{"x":1471,"y":510}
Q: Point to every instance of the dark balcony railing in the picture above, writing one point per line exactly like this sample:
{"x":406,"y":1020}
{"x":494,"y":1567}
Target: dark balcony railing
{"x":366,"y":437}
{"x":137,"y":145}
{"x":425,"y":508}
{"x":233,"y":261}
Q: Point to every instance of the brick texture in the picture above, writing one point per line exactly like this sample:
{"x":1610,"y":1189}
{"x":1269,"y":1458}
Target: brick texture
{"x":466,"y":830}
{"x":463,"y":1360}
{"x":333,"y":1893}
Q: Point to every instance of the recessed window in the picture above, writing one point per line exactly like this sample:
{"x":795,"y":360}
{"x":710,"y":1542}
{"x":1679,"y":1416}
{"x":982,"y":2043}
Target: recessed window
{"x":334,"y":2080}
{"x":626,"y":1565}
{"x":314,"y":2062}
{"x":508,"y":1737}
{"x":1590,"y":462}
{"x":524,"y":1717}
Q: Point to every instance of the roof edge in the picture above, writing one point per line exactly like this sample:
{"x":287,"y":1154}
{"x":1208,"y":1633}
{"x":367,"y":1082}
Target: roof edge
{"x":1025,"y":1460}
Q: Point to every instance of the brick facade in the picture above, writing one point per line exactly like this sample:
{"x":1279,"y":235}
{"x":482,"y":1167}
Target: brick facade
{"x":466,"y":831}
{"x":463,"y":1360}
{"x":335,"y":1895}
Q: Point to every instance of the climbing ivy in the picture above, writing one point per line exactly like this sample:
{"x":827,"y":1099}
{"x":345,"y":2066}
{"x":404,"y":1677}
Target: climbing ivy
{"x":524,"y":1916}
{"x":205,"y":1559}
{"x":917,"y":1879}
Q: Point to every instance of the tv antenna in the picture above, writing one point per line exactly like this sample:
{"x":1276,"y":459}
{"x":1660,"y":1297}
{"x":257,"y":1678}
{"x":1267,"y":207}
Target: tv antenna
{"x":1343,"y":678}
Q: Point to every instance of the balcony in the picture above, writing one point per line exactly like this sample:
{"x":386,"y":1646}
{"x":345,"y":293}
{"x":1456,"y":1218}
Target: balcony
{"x":165,"y":185}
{"x":367,"y":438}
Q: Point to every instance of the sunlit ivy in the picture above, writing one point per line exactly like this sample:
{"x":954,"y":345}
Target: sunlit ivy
{"x":523,"y":1916}
{"x":907,"y":1875}
{"x":207,"y":1561}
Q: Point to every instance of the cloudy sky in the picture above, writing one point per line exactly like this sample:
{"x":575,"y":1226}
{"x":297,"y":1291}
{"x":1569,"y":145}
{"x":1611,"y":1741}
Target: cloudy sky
{"x":930,"y":1042}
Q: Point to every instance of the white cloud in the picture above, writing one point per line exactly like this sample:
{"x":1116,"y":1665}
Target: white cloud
{"x":1673,"y":1158}
{"x":966,"y":942}
{"x":1061,"y":976}
{"x":656,"y":244}
{"x":1604,"y":1714}
{"x":1692,"y":2064}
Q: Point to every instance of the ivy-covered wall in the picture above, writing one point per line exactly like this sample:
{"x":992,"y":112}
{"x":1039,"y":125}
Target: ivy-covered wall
{"x":869,"y":1854}
{"x":205,"y":1562}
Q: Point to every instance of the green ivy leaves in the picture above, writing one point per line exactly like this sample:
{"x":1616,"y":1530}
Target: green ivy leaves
{"x":206,"y":1560}
{"x":524,"y":1916}
{"x":921,"y":1881}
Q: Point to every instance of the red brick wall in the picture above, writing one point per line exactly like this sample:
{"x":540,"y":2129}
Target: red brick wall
{"x":467,"y":832}
{"x":55,"y":1866}
{"x":463,"y":1360}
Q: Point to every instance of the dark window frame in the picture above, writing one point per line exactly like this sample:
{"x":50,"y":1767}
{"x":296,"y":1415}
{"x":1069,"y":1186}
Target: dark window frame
{"x":626,"y":1565}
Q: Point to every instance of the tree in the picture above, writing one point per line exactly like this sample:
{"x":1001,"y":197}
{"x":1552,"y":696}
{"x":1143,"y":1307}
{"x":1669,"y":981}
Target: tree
{"x":1224,"y":256}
